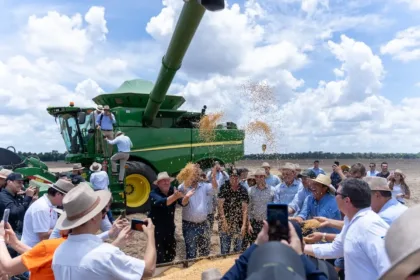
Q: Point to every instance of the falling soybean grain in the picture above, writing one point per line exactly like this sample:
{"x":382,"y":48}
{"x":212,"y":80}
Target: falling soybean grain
{"x":207,"y":126}
{"x":261,"y":129}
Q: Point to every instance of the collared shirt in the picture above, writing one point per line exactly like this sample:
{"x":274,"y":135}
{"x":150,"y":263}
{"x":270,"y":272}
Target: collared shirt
{"x":106,"y":122}
{"x":299,"y":199}
{"x":335,"y":179}
{"x":162,"y":215}
{"x":197,"y":208}
{"x":232,"y":205}
{"x":272,"y":180}
{"x":40,"y":217}
{"x":258,"y":199}
{"x":86,"y":256}
{"x":99,"y":180}
{"x":17,"y":206}
{"x":361,"y":243}
{"x":325,"y":207}
{"x":391,"y":210}
{"x":284,"y":194}
{"x":372,"y":173}
{"x":123,"y":142}
{"x":318,"y":171}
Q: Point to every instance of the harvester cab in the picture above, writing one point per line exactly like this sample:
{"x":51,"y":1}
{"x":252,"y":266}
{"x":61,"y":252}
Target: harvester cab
{"x":164,"y":137}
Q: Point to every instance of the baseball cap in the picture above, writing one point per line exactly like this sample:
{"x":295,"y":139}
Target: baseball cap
{"x":14,"y":177}
{"x":307,"y":173}
{"x":275,"y":260}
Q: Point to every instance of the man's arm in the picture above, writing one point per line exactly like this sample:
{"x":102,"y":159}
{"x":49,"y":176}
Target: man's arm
{"x":41,"y":223}
{"x":373,"y":245}
{"x":297,"y":201}
{"x":114,"y":141}
{"x":10,"y":266}
{"x":326,"y":251}
{"x":17,"y":211}
{"x":113,"y":118}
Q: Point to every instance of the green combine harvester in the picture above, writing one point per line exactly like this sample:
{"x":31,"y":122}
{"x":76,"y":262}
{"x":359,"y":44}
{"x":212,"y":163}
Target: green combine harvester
{"x":164,"y":137}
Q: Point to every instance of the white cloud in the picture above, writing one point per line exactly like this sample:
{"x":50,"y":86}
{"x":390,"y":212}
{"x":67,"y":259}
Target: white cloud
{"x":413,"y":4}
{"x":405,"y":46}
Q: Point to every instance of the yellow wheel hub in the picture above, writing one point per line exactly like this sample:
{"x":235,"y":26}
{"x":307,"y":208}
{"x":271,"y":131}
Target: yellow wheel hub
{"x":137,"y":188}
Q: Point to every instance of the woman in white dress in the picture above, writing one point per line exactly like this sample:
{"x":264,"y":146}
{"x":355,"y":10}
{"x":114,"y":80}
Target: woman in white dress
{"x":399,"y":188}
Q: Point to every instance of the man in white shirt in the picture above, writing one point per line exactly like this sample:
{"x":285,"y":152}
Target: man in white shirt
{"x":85,"y":256}
{"x":372,"y":170}
{"x":99,"y":178}
{"x":361,"y":241}
{"x":387,"y":207}
{"x":40,"y":218}
{"x":124,"y":145}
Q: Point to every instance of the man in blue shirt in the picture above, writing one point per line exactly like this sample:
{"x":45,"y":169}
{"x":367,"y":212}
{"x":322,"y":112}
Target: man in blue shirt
{"x":105,"y":123}
{"x":163,"y":201}
{"x":318,"y":170}
{"x":335,"y":176}
{"x":321,"y":203}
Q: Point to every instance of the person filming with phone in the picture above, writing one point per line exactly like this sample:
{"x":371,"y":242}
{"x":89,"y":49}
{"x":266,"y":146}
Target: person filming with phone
{"x":9,"y":199}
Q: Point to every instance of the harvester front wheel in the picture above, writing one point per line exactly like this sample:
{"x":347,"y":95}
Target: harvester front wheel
{"x":138,"y":184}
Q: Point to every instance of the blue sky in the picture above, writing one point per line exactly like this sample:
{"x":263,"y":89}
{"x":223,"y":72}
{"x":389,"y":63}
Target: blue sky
{"x":296,"y":47}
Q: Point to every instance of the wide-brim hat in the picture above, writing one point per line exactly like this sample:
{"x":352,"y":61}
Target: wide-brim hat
{"x":265,"y":164}
{"x":162,"y":176}
{"x":402,"y":244}
{"x":80,"y":205}
{"x":259,"y":172}
{"x":63,"y":186}
{"x":324,"y":180}
{"x":289,"y":166}
{"x":78,"y":166}
{"x":5,"y":172}
{"x":95,"y":167}
{"x":399,"y":171}
{"x":307,"y":173}
{"x":377,"y":183}
{"x":100,"y":107}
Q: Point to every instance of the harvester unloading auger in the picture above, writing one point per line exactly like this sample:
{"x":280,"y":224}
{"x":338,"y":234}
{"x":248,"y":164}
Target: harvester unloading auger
{"x":164,"y":137}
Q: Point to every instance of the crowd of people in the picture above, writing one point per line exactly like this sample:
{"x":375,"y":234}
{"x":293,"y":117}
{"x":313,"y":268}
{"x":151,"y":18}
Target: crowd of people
{"x":360,"y":215}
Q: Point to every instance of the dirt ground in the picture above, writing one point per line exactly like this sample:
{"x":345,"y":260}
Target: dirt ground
{"x":136,"y":247}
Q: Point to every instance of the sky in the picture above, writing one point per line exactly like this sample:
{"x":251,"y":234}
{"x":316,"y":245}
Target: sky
{"x":343,"y":73}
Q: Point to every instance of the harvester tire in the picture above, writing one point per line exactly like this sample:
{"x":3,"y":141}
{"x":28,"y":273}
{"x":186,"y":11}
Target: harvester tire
{"x":140,"y":168}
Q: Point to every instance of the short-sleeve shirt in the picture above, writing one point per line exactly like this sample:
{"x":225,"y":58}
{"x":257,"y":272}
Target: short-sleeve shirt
{"x":85,"y":256}
{"x":40,"y":217}
{"x":232,"y":205}
{"x":38,"y":260}
{"x":198,"y":205}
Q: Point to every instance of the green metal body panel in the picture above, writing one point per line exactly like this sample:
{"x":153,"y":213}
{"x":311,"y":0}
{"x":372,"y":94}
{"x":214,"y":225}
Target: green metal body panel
{"x":32,"y":171}
{"x":164,"y":137}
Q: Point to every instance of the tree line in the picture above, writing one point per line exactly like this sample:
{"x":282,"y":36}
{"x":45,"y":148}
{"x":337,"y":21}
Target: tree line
{"x":57,"y":156}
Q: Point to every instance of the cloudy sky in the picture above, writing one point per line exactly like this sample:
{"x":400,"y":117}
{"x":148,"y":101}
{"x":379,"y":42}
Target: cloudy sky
{"x":345,"y":73}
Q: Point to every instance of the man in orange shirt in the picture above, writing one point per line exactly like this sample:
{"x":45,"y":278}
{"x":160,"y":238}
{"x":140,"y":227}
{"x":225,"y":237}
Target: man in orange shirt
{"x":38,"y":259}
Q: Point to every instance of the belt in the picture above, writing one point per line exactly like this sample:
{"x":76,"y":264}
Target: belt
{"x":106,"y":129}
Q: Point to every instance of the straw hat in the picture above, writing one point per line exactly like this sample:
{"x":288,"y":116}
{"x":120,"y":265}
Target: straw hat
{"x":161,"y":176}
{"x":345,"y":167}
{"x":260,"y":172}
{"x":377,"y":183}
{"x":399,"y":171}
{"x":402,"y":244}
{"x":63,"y":186}
{"x":265,"y":164}
{"x":324,"y":180}
{"x":5,"y":172}
{"x":95,"y":167}
{"x":289,"y":166}
{"x":78,"y":166}
{"x":250,"y":177}
{"x":80,"y":205}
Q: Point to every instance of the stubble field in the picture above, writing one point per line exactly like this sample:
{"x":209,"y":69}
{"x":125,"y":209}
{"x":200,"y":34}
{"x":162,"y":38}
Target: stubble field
{"x":136,"y":247}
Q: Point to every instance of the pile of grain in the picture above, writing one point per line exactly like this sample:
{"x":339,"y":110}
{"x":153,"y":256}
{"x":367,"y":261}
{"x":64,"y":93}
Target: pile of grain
{"x":189,"y":174}
{"x":310,"y":225}
{"x":259,"y":128}
{"x":208,"y":125}
{"x":194,"y":272}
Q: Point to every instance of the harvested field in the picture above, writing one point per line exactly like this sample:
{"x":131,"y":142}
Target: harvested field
{"x":136,"y":247}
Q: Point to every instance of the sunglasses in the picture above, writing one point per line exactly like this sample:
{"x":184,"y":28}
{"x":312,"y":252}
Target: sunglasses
{"x":342,"y":195}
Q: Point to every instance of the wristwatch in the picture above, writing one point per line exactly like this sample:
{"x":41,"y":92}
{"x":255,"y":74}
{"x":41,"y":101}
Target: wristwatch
{"x":323,"y":237}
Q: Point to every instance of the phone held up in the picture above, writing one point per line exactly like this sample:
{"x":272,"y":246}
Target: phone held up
{"x":5,"y":218}
{"x":123,"y":214}
{"x":278,"y":222}
{"x":138,"y":224}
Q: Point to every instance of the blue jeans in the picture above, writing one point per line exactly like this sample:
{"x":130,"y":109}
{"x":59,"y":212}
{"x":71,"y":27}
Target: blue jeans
{"x":226,"y":241}
{"x":196,"y":237}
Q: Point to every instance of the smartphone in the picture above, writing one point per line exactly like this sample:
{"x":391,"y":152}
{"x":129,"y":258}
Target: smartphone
{"x":278,"y":221}
{"x":123,"y":214}
{"x":6,"y":216}
{"x":138,"y":224}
